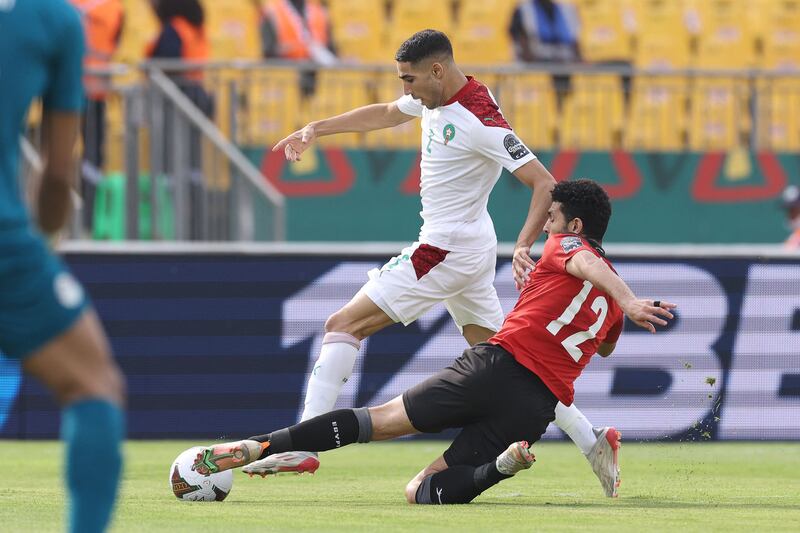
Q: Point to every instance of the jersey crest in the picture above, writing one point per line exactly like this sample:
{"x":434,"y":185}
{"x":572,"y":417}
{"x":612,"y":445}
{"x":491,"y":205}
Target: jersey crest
{"x":448,"y":133}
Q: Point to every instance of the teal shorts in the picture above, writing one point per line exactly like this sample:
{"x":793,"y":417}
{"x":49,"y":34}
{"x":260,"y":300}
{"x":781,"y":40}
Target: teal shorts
{"x":39,"y":298}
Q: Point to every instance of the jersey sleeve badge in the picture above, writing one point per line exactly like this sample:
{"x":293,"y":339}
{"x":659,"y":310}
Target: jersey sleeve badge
{"x":514,"y":147}
{"x":570,"y":243}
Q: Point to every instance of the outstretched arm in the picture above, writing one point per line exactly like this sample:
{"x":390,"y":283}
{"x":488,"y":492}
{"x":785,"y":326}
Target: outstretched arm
{"x":535,"y":176}
{"x":587,"y":266}
{"x":366,"y":118}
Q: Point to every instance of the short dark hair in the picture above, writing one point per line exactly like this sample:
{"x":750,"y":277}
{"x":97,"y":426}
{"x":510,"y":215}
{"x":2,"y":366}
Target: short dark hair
{"x":586,"y":200}
{"x":422,"y":45}
{"x":191,"y":10}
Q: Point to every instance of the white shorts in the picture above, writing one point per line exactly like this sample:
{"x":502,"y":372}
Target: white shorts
{"x":422,"y":276}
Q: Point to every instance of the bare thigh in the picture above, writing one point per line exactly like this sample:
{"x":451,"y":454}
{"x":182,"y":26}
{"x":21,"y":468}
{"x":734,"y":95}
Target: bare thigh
{"x":360,"y":317}
{"x":476,"y":334}
{"x":77,"y":364}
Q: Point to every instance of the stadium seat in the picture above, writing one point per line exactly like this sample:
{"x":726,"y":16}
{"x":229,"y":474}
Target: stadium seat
{"x":481,"y":36}
{"x":408,"y":18}
{"x":781,"y":35}
{"x":662,"y":34}
{"x":232,"y":27}
{"x":269,"y":105}
{"x":778,"y":114}
{"x":726,"y":39}
{"x":657,"y":115}
{"x":660,"y":16}
{"x":387,"y":89}
{"x":663,"y":52}
{"x":338,"y":91}
{"x":528,"y":102}
{"x":593,"y":113}
{"x":359,"y":30}
{"x":604,"y":34}
{"x":719,"y":113}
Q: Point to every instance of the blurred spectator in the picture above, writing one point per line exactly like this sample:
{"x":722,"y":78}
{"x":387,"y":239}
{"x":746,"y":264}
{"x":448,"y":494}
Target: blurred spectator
{"x":102,"y":25}
{"x":182,"y":33}
{"x":543,"y":30}
{"x":183,"y":36}
{"x":298,"y":30}
{"x":790,"y":200}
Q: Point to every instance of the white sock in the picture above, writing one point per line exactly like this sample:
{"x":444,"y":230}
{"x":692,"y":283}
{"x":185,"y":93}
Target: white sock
{"x":573,"y":423}
{"x":331,"y":371}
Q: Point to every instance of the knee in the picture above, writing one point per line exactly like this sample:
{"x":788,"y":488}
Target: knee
{"x":117,"y":385}
{"x":104,"y":380}
{"x":411,"y":490}
{"x":338,"y":323}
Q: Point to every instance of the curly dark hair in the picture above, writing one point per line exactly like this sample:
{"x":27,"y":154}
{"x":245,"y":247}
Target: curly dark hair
{"x":422,"y":45}
{"x":586,"y":200}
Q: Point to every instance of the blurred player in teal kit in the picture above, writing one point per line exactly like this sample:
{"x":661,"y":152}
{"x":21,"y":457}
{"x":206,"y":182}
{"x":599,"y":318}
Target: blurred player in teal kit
{"x":46,"y":321}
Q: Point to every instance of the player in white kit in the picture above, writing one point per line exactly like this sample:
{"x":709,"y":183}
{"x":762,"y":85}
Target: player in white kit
{"x":466,"y":143}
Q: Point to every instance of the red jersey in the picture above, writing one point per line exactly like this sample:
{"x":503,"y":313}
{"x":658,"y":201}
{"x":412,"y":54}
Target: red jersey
{"x":559,"y":320}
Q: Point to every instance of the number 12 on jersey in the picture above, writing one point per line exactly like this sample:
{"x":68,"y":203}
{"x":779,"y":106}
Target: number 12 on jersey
{"x":599,"y":306}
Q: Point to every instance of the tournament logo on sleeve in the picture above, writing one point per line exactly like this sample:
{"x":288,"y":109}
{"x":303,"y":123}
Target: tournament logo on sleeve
{"x":514,"y":147}
{"x":570,"y":243}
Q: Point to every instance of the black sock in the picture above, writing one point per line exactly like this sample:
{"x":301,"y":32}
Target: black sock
{"x":488,"y":475}
{"x":458,"y":484}
{"x":325,"y":432}
{"x":454,"y":485}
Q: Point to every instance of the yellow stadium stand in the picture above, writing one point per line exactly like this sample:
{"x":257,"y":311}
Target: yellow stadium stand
{"x":780,"y":35}
{"x":232,"y":28}
{"x":657,"y":114}
{"x":603,"y":33}
{"x":726,"y":39}
{"x":409,"y":17}
{"x":778,"y":114}
{"x":268,"y":107}
{"x":338,"y":91}
{"x":481,"y":35}
{"x":719,"y":113}
{"x":528,"y":101}
{"x":114,"y":145}
{"x":662,"y":52}
{"x":140,"y":28}
{"x":359,"y":30}
{"x":660,"y":16}
{"x":663,"y":39}
{"x":389,"y":88}
{"x":593,"y":113}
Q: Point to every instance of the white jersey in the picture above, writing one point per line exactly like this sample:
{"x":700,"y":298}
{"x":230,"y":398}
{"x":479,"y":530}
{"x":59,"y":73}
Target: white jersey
{"x":465,"y":145}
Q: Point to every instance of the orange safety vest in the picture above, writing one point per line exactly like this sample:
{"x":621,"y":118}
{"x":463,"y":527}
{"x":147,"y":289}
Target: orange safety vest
{"x":293,"y":34}
{"x":102,"y":20}
{"x":194,"y":44}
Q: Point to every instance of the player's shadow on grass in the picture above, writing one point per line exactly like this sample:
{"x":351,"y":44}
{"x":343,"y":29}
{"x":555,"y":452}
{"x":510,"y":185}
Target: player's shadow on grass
{"x":633,"y":502}
{"x":627,"y":503}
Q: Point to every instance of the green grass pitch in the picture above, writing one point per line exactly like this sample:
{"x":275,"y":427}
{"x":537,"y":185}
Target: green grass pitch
{"x":665,"y":487}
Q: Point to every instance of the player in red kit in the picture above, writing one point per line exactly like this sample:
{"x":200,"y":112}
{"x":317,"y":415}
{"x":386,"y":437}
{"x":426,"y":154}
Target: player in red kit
{"x":502,"y":391}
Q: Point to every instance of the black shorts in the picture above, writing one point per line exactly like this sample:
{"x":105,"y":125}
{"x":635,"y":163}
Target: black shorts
{"x":491,"y":396}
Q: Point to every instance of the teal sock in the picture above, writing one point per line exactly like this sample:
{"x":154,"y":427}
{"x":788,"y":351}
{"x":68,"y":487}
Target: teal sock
{"x":93,"y":430}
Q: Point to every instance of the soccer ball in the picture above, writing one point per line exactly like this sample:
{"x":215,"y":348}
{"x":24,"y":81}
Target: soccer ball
{"x":188,"y":485}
